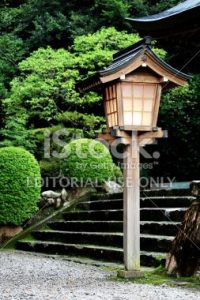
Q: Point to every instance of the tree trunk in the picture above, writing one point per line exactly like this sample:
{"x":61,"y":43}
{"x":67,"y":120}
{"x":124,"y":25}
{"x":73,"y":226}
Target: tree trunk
{"x":184,"y":257}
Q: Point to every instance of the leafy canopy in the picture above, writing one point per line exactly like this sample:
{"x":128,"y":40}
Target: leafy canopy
{"x":180,"y":115}
{"x":45,"y":93}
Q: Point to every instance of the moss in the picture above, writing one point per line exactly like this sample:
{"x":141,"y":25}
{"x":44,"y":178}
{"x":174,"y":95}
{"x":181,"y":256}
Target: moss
{"x":159,"y":276}
{"x":29,"y":238}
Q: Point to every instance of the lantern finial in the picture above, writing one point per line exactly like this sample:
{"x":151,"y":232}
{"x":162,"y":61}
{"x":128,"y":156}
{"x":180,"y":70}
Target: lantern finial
{"x":148,"y":41}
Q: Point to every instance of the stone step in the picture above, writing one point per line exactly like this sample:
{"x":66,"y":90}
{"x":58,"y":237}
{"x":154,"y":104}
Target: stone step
{"x":96,"y":215}
{"x":104,"y":196}
{"x":157,"y":243}
{"x":146,"y":214}
{"x":165,"y":228}
{"x":165,"y":192}
{"x":175,"y":214}
{"x":145,"y":193}
{"x":101,"y":204}
{"x":150,"y":227}
{"x":87,"y":225}
{"x":170,"y":202}
{"x":104,"y":253}
{"x":115,"y":239}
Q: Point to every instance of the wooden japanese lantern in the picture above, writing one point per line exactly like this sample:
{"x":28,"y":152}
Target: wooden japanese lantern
{"x":132,"y":87}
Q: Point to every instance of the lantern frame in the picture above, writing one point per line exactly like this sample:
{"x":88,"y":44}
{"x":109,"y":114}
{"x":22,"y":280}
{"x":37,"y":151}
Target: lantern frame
{"x":140,"y":102}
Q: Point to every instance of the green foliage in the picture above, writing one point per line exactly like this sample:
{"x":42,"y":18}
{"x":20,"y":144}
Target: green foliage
{"x":95,"y":51}
{"x":19,"y":192}
{"x":87,"y":160}
{"x":37,"y":89}
{"x":112,"y":12}
{"x":44,"y":87}
{"x":50,"y":167}
{"x":39,"y":135}
{"x":11,"y":52}
{"x":163,"y":5}
{"x":87,"y":122}
{"x":148,"y":7}
{"x":179,"y":114}
{"x":44,"y":94}
{"x":107,"y":13}
{"x":54,"y":139}
{"x":160,"y":52}
{"x":117,"y":172}
{"x":42,"y":22}
{"x":38,"y":22}
{"x":16,"y":135}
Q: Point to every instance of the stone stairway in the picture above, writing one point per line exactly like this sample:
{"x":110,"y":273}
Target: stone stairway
{"x":94,"y":229}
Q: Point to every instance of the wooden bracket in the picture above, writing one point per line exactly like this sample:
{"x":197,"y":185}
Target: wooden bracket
{"x":149,"y":137}
{"x":125,"y":138}
{"x":106,"y":136}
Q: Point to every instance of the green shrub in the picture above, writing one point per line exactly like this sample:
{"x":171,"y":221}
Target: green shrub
{"x":117,"y":172}
{"x":19,"y":193}
{"x":50,"y":167}
{"x":87,"y":160}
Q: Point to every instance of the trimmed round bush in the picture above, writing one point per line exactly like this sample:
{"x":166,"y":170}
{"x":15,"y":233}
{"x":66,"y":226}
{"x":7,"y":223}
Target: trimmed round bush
{"x":87,"y":161}
{"x":20,"y":185}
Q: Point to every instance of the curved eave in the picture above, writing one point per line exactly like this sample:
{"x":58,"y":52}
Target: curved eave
{"x":118,"y":66}
{"x":98,"y":79}
{"x":156,"y":64}
{"x":166,"y":20}
{"x":169,"y":68}
{"x":131,"y":63}
{"x":88,"y":84}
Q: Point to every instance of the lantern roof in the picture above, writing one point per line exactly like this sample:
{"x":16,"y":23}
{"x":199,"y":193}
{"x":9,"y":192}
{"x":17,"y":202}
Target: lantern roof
{"x":130,"y":59}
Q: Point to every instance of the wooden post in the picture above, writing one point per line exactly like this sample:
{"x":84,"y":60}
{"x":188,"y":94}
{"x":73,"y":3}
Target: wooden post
{"x":131,"y":219}
{"x":132,"y":210}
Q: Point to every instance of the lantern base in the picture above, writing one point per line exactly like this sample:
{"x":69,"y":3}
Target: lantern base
{"x":130,"y":274}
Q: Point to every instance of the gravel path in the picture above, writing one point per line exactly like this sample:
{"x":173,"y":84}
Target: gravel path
{"x":29,"y":277}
